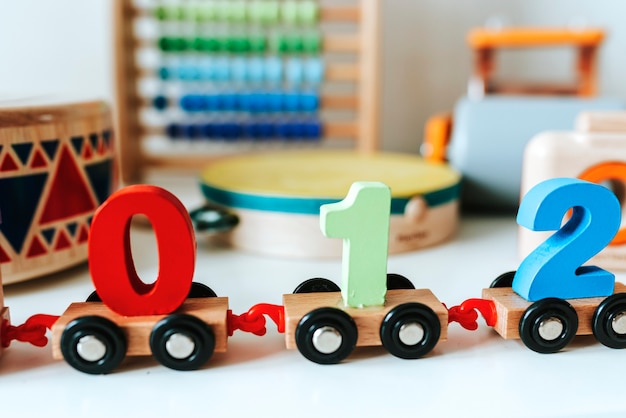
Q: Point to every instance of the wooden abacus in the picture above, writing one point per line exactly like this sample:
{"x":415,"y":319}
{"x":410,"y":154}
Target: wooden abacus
{"x":337,"y":92}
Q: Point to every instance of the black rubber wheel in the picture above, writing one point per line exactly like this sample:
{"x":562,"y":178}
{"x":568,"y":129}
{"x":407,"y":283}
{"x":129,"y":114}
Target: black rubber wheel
{"x":93,"y":344}
{"x":93,"y":297}
{"x":326,"y":335}
{"x":398,"y":281}
{"x":182,"y":342}
{"x":200,"y":290}
{"x":316,"y":285}
{"x":548,"y":325}
{"x":609,"y":320}
{"x":410,"y":330}
{"x":503,"y":280}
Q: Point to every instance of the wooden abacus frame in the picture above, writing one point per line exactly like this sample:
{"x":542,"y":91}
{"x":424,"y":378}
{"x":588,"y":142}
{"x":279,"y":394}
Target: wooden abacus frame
{"x":364,"y":72}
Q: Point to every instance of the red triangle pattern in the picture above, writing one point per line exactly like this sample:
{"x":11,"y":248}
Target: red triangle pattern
{"x":8,"y":164}
{"x":87,"y":153}
{"x":4,"y":257}
{"x":83,"y":235}
{"x":101,"y":149}
{"x":62,"y":241}
{"x":60,"y":203}
{"x":38,"y":160}
{"x":36,"y":248}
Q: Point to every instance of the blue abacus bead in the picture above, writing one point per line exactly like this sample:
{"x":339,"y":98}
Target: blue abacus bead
{"x":294,"y":71}
{"x":222,"y":70}
{"x":291,"y":102}
{"x":186,"y":73}
{"x":256,"y":70}
{"x":188,"y":103}
{"x":313,"y":130}
{"x":172,"y":130}
{"x":284,"y":130}
{"x":208,"y":130}
{"x":230,"y":130}
{"x":229,"y":101}
{"x":164,"y":73}
{"x":275,"y":101}
{"x":273,"y":70}
{"x":160,"y":102}
{"x":266,"y":130}
{"x":252,"y":130}
{"x":239,"y":69}
{"x":211,"y":102}
{"x":314,"y":71}
{"x":188,"y":131}
{"x":309,"y":102}
{"x":298,"y":129}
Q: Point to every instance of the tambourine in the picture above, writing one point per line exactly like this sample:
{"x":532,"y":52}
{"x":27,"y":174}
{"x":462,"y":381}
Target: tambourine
{"x":277,"y":197}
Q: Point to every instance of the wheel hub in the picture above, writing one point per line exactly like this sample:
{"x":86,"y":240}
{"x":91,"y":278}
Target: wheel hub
{"x":179,"y":346}
{"x":90,"y":348}
{"x":551,"y":328}
{"x":411,"y":333}
{"x":327,"y":339}
{"x":619,"y":323}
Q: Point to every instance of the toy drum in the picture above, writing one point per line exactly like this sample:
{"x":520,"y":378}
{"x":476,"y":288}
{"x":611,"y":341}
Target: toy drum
{"x":56,"y":167}
{"x":277,"y":197}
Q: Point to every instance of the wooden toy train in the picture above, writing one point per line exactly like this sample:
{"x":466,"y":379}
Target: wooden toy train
{"x":548,"y":301}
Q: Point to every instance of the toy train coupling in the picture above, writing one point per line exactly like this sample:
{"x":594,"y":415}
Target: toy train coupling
{"x":466,"y":313}
{"x":32,"y":331}
{"x":254,"y":321}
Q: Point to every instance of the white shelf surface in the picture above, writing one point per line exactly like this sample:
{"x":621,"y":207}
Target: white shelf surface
{"x":473,"y":373}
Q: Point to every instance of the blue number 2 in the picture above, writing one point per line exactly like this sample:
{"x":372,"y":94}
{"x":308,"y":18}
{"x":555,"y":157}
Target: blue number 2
{"x":554,"y":268}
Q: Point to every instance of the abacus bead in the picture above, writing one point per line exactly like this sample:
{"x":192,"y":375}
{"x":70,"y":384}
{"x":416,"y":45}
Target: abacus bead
{"x":312,"y":43}
{"x":294,"y":71}
{"x":308,"y":11}
{"x":314,"y":70}
{"x":273,"y":69}
{"x":173,"y":130}
{"x":309,"y":102}
{"x":289,"y":11}
{"x":160,"y":102}
{"x":313,"y":130}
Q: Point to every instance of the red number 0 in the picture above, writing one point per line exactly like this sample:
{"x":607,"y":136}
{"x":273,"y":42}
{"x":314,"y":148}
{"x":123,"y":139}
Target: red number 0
{"x":110,"y":258}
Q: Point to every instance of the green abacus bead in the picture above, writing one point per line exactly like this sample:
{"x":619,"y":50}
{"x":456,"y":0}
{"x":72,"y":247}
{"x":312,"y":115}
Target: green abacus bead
{"x":238,"y":45}
{"x":258,"y":44}
{"x":270,"y":12}
{"x":296,"y":44}
{"x":312,"y":44}
{"x":207,"y":12}
{"x":214,"y":44}
{"x":237,"y":12}
{"x":160,"y":13}
{"x":308,"y":12}
{"x":289,"y":11}
{"x":168,"y":44}
{"x":281,"y":44}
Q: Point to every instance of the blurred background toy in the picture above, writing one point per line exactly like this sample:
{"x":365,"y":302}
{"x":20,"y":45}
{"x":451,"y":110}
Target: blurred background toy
{"x":485,"y":136}
{"x":56,"y":167}
{"x":596,"y":152}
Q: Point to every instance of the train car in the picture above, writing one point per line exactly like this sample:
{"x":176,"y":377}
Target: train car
{"x":553,"y":297}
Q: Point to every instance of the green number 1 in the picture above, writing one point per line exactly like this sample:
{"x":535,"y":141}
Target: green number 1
{"x":362,"y":220}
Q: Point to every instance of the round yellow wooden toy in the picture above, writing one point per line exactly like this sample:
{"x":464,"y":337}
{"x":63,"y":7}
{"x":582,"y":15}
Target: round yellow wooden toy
{"x":277,"y":197}
{"x":56,"y":168}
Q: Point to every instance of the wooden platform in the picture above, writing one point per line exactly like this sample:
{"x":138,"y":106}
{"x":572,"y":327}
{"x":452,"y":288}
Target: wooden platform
{"x":4,"y":316}
{"x":368,"y":320}
{"x":510,"y":307}
{"x":137,"y":329}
